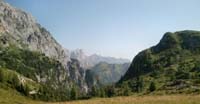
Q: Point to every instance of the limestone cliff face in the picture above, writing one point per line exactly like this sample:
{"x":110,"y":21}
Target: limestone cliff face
{"x":20,"y":29}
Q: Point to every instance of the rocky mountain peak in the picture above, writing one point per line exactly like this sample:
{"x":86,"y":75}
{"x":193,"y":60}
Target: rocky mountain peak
{"x":20,"y":28}
{"x":88,"y":61}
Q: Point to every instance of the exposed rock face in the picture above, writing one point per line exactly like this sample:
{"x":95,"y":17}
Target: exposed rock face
{"x":89,"y":61}
{"x":20,"y":29}
{"x":77,"y":74}
{"x":81,"y":57}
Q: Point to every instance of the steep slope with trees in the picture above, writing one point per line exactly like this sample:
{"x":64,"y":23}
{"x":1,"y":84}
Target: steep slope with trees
{"x":105,"y":74}
{"x":171,"y":66}
{"x":30,"y":50}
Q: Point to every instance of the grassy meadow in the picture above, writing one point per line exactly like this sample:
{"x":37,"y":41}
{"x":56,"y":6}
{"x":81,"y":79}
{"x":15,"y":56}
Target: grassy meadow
{"x":154,"y":99}
{"x":12,"y":97}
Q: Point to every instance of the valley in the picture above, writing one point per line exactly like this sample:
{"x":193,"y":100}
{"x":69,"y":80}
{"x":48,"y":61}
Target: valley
{"x":36,"y":69}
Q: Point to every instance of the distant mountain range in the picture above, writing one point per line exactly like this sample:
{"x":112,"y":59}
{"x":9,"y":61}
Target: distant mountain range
{"x":33,"y":63}
{"x":88,"y":61}
{"x":100,"y":70}
{"x":105,"y":74}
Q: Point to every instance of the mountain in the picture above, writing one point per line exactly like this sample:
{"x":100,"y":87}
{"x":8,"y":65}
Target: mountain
{"x":105,"y":74}
{"x":100,"y":70}
{"x":88,"y":61}
{"x":172,"y":66}
{"x":19,"y":28}
{"x":29,"y":49}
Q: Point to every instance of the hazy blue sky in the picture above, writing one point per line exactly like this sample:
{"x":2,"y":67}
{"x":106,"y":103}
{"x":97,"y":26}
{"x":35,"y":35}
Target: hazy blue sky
{"x":119,"y":28}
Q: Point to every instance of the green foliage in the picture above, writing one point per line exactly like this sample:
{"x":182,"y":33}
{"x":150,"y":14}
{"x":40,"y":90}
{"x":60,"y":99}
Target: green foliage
{"x":95,"y":92}
{"x":9,"y":77}
{"x":152,"y":87}
{"x":74,"y":93}
{"x":139,"y":84}
{"x":29,"y":64}
{"x":10,"y":96}
{"x":12,"y":79}
{"x":110,"y":91}
{"x":102,"y":92}
{"x":105,"y":74}
{"x":2,"y":76}
{"x":173,"y":65}
{"x":126,"y":90}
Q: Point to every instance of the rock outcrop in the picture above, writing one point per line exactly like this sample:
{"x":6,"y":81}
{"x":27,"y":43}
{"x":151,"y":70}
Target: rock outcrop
{"x":20,"y":29}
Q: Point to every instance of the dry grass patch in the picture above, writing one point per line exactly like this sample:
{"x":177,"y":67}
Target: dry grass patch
{"x":165,"y":99}
{"x":12,"y":97}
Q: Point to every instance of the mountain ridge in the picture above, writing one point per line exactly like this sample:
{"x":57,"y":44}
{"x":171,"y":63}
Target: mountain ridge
{"x":19,"y":32}
{"x":171,"y":66}
{"x":88,"y":61}
{"x":38,"y":56}
{"x":104,"y":74}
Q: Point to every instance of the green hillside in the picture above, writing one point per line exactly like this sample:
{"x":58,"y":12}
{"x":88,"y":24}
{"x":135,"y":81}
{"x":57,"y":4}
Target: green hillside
{"x":14,"y":87}
{"x":10,"y":96}
{"x":105,"y":74}
{"x":172,"y":66}
{"x":32,"y":74}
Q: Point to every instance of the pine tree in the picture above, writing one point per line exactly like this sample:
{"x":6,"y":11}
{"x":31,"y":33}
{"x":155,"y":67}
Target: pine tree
{"x":139,"y":84}
{"x":152,"y":87}
{"x":110,"y":91}
{"x":74,"y":93}
{"x":95,"y":92}
{"x":102,"y":92}
{"x":1,"y":75}
{"x":127,"y":90}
